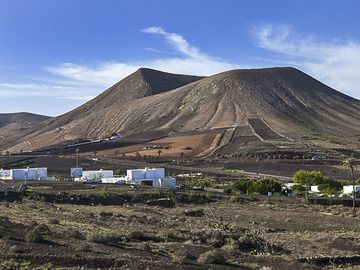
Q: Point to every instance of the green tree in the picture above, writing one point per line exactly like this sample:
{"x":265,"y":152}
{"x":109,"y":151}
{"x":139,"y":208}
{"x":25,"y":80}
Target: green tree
{"x":264,"y":186}
{"x":350,"y":164}
{"x":309,"y":178}
{"x":242,"y":185}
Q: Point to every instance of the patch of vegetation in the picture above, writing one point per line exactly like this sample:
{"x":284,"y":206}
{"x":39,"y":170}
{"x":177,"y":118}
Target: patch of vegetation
{"x":261,"y":186}
{"x":202,"y":183}
{"x":212,"y":257}
{"x":34,"y":236}
{"x":305,"y":179}
{"x":103,"y":193}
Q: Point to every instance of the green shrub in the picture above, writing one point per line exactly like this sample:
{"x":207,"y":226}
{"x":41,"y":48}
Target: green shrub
{"x":326,"y":185}
{"x":242,"y":185}
{"x":298,"y":188}
{"x":201,"y":183}
{"x":34,"y":236}
{"x":327,"y":189}
{"x":103,"y":193}
{"x":264,"y":186}
{"x":212,"y":257}
{"x":310,"y":178}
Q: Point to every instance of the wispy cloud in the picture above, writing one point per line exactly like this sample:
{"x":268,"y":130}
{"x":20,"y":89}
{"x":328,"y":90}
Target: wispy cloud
{"x":190,"y":60}
{"x":16,"y":90}
{"x":335,"y":63}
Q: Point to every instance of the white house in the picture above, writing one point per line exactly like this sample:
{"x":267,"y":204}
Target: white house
{"x":24,"y":174}
{"x":94,"y":176}
{"x":349,"y":189}
{"x":154,"y":177}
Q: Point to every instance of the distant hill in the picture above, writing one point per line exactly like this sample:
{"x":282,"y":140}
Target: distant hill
{"x":14,"y":126}
{"x":279,"y":108}
{"x":21,"y":118}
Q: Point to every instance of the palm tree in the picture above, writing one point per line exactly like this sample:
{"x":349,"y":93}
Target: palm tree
{"x":350,"y":164}
{"x":182,"y":154}
{"x":77,"y":150}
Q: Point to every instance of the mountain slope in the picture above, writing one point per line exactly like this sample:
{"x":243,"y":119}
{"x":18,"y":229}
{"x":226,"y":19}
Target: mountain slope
{"x":285,"y":101}
{"x":14,"y":126}
{"x":143,"y":82}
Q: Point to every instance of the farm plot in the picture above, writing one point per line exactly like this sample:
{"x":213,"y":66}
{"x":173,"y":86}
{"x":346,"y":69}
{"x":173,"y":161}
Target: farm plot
{"x":263,"y":130}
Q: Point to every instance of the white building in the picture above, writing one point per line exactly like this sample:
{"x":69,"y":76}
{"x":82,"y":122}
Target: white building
{"x":154,"y":177}
{"x":94,"y":176}
{"x":24,"y":174}
{"x":314,"y":189}
{"x":349,"y":189}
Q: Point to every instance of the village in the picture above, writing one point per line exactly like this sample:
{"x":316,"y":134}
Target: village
{"x":156,"y":177}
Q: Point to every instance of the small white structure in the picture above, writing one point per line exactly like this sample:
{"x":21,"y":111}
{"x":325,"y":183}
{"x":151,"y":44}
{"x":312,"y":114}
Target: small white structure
{"x":289,"y":185}
{"x":314,"y":189}
{"x":5,"y":174}
{"x":114,"y":180}
{"x":154,"y":177}
{"x":349,"y":189}
{"x":94,"y":176}
{"x":24,"y":174}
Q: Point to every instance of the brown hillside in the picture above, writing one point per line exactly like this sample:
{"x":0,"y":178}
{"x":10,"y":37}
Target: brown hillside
{"x":276,"y":103}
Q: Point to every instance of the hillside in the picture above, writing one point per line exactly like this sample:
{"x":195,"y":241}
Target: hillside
{"x":264,"y":107}
{"x":143,"y":82}
{"x":13,"y":126}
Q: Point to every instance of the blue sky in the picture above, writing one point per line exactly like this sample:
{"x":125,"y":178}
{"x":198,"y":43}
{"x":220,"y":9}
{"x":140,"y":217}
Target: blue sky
{"x":57,"y":54}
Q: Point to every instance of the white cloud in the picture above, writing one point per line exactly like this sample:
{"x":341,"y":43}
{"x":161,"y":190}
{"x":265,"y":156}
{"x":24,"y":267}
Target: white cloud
{"x":190,"y":61}
{"x":334,"y":63}
{"x":73,"y":81}
{"x":16,"y":90}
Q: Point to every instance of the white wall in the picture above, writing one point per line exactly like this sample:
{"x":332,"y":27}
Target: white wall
{"x":28,"y":174}
{"x":98,"y":174}
{"x":349,"y":189}
{"x":315,"y":189}
{"x":168,"y":182}
{"x":5,"y":174}
{"x":147,"y":173}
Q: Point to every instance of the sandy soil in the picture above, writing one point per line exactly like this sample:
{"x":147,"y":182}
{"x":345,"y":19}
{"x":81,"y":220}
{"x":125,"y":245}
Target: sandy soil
{"x":190,"y":145}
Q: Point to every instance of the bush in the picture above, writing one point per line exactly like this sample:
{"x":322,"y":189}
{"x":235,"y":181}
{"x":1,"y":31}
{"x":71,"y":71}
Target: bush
{"x":103,"y":193}
{"x":100,"y":238}
{"x":74,"y":233}
{"x":264,"y":186}
{"x":327,"y":189}
{"x":34,"y":236}
{"x":309,"y":178}
{"x":212,"y":257}
{"x":82,"y":247}
{"x":54,"y":221}
{"x":183,"y":256}
{"x":201,"y":183}
{"x":136,"y":235}
{"x":242,"y":185}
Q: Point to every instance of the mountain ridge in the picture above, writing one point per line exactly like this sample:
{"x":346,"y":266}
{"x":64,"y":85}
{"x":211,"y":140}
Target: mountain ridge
{"x":288,"y":100}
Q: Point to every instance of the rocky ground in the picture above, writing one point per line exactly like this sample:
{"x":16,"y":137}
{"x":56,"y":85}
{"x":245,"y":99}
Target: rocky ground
{"x":137,"y":228}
